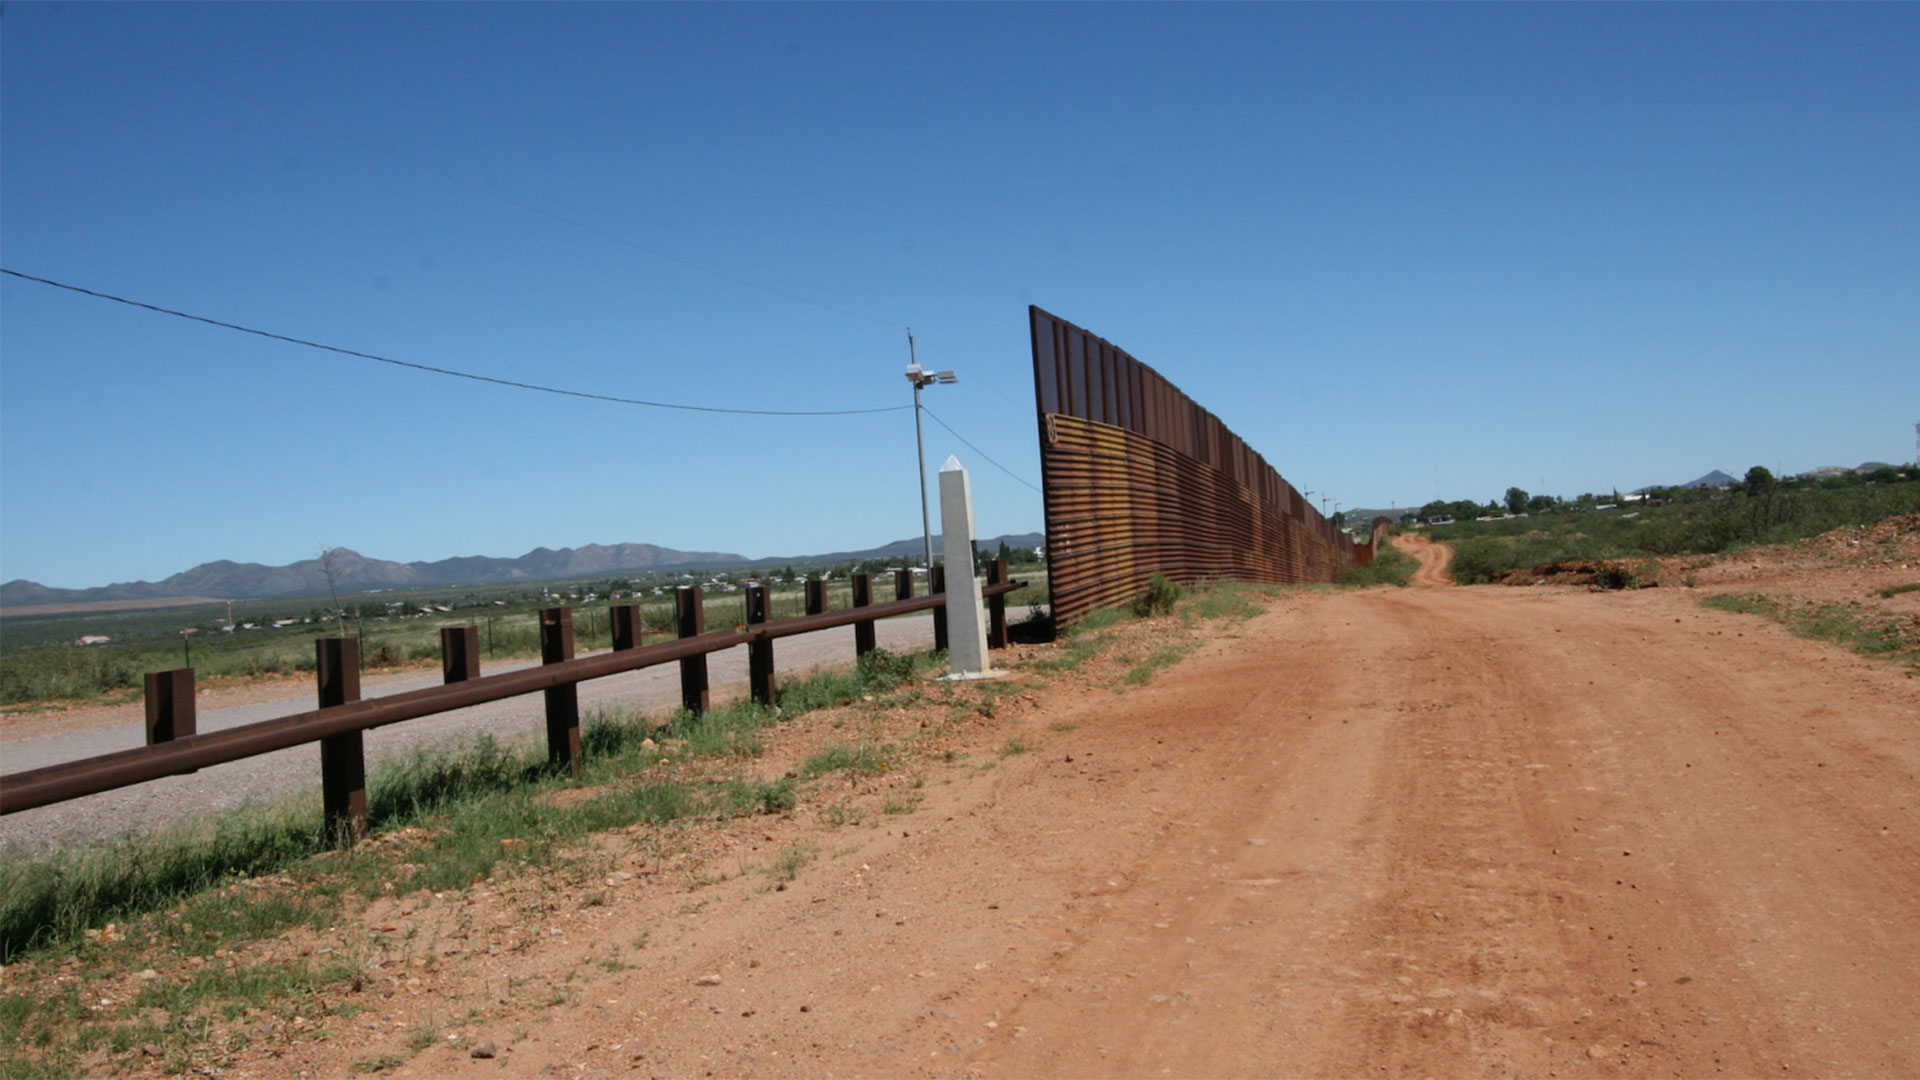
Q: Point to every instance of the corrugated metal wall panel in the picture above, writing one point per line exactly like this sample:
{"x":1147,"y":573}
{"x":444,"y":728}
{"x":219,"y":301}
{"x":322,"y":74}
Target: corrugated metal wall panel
{"x":1137,"y":477}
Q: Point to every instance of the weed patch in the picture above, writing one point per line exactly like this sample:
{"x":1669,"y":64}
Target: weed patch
{"x":1864,"y":631}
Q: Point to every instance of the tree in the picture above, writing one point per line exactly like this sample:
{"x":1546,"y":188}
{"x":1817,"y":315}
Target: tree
{"x":1759,"y":482}
{"x":1541,"y":504}
{"x":1516,"y":501}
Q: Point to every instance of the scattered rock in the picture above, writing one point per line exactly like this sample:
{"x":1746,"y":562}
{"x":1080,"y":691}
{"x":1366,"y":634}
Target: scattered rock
{"x":707,"y":980}
{"x":147,"y":975}
{"x":1596,"y":1052}
{"x":483,"y":1050}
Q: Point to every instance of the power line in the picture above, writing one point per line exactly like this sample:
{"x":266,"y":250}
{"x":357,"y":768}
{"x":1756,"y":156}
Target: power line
{"x":516,"y":384}
{"x":463,"y":181}
{"x":977,"y":450}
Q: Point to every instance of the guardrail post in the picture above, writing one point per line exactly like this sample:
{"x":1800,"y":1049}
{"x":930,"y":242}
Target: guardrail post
{"x":903,"y":583}
{"x":343,"y":761}
{"x":997,"y":606}
{"x":459,"y":653}
{"x":863,"y":630}
{"x":170,"y":707}
{"x":937,"y":585}
{"x":816,"y":597}
{"x":759,"y":653}
{"x":627,"y":627}
{"x":690,"y":617}
{"x":563,"y":702}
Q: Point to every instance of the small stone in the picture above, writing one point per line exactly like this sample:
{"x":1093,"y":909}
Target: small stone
{"x":707,"y":980}
{"x":1596,"y":1052}
{"x":150,"y":1050}
{"x":147,"y":975}
{"x":483,"y":1050}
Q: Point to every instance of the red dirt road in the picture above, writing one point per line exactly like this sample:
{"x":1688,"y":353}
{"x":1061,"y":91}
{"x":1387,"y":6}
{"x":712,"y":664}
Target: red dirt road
{"x":1420,"y":832}
{"x":1433,"y":559}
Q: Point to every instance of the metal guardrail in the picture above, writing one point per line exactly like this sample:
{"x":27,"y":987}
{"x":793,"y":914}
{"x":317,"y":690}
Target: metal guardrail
{"x":1138,"y":478}
{"x":174,"y":747}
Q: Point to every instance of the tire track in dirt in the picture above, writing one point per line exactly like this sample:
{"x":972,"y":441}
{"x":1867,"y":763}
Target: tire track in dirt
{"x":1433,"y":559}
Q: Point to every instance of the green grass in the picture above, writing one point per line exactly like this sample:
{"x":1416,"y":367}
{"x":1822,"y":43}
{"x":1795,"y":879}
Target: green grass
{"x":1159,"y":660}
{"x":1234,"y":600}
{"x":788,"y":864}
{"x":1864,"y":631}
{"x":861,"y":760}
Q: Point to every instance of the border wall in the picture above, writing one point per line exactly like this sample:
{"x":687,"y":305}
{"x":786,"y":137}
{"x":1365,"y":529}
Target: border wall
{"x":1136,"y":477}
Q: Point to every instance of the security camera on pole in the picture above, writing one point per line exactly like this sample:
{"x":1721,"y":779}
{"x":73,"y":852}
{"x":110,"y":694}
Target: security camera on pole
{"x":966,"y":614}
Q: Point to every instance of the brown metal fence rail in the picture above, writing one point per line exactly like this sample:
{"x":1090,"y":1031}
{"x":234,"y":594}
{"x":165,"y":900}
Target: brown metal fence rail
{"x":1138,"y":478}
{"x":337,"y":725}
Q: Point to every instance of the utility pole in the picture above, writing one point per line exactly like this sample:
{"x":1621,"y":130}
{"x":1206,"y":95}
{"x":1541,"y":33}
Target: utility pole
{"x":919,"y":379}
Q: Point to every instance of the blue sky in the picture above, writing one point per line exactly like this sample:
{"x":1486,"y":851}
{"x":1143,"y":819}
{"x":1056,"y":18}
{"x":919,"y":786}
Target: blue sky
{"x":1406,"y":251}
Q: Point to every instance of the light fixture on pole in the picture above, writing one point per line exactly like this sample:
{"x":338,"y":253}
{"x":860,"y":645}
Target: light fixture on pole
{"x":920,"y":378}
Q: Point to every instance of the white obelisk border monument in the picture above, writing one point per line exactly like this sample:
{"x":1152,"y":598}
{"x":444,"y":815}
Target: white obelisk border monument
{"x":966,"y":614}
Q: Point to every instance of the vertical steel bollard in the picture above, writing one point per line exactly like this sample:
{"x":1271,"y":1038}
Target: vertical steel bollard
{"x":937,"y":585}
{"x":343,"y":761}
{"x":627,"y":627}
{"x":903,"y":584}
{"x":997,"y":606}
{"x":759,"y":653}
{"x":690,"y":618}
{"x":816,"y":597}
{"x":171,"y":712}
{"x":862,"y":631}
{"x":459,"y":653}
{"x":563,"y":702}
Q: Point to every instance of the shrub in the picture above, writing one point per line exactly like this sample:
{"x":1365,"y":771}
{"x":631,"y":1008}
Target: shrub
{"x":1476,"y":562}
{"x":1158,"y":597}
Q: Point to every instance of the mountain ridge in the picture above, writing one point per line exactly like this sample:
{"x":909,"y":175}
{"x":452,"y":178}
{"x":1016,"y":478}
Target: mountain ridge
{"x":354,"y":572}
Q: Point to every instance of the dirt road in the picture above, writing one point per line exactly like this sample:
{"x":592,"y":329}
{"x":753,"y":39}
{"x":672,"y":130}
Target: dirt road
{"x":1433,"y":559}
{"x":1419,"y":832}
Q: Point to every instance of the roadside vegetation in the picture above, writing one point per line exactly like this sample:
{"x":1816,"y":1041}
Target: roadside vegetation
{"x":1391,"y":566}
{"x":1856,"y":626}
{"x":1756,"y":512}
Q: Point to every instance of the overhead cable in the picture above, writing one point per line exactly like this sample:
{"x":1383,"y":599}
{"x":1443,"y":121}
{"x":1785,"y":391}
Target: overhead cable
{"x":977,"y":450}
{"x":516,"y":384}
{"x":463,"y":181}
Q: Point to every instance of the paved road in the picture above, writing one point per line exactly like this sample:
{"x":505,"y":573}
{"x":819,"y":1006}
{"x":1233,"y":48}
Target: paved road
{"x":163,"y":802}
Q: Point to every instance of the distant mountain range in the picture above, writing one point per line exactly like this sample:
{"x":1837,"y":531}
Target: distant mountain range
{"x":228,"y":580}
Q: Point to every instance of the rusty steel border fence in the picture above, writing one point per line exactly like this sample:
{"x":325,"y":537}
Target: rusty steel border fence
{"x":1137,"y":477}
{"x":174,"y":747}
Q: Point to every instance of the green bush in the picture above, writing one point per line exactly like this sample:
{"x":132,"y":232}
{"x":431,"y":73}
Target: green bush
{"x":1479,"y":561}
{"x":1158,"y":597}
{"x":1391,"y":566}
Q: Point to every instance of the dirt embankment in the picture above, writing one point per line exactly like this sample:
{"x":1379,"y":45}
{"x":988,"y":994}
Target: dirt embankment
{"x":1395,"y":832}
